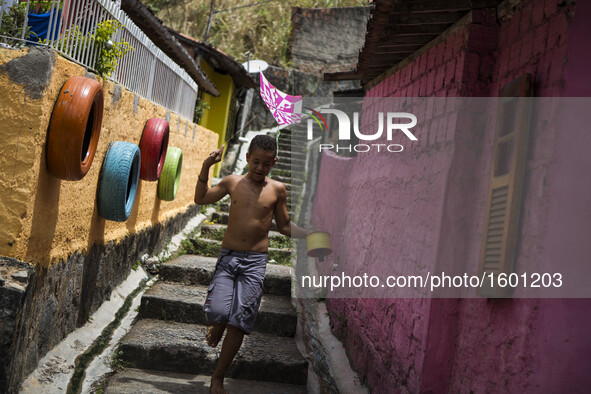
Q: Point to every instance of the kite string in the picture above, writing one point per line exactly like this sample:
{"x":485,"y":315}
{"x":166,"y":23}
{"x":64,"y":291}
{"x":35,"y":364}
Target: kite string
{"x":239,"y":131}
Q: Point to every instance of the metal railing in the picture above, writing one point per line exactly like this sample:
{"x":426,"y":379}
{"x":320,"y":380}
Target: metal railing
{"x":145,"y":70}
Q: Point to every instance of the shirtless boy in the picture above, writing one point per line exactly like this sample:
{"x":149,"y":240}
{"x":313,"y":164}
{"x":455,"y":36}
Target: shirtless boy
{"x":234,"y":296}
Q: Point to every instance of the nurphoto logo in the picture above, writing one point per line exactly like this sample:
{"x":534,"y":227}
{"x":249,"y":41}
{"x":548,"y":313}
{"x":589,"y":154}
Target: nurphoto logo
{"x":395,"y":122}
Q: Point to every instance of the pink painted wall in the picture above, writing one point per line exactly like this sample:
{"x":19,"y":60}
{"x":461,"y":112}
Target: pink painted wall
{"x":435,"y":345}
{"x":539,"y":345}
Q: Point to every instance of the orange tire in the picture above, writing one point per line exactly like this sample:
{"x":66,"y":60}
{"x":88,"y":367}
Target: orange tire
{"x":74,"y":128}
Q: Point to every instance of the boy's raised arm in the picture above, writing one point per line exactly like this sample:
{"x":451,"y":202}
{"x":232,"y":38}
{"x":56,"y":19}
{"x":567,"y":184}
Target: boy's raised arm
{"x":203,"y":194}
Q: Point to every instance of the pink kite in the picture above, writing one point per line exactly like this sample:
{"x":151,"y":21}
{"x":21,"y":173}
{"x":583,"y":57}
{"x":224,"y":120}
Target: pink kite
{"x":286,"y":109}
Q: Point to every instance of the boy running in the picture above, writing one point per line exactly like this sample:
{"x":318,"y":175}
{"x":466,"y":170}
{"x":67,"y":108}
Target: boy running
{"x":235,"y":292}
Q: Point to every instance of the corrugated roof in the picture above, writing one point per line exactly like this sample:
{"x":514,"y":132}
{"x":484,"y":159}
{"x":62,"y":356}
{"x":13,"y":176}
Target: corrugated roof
{"x":398,"y":28}
{"x":219,"y":60}
{"x":160,"y":35}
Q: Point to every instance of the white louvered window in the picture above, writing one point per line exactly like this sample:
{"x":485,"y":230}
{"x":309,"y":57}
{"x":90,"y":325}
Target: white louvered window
{"x":501,"y":225}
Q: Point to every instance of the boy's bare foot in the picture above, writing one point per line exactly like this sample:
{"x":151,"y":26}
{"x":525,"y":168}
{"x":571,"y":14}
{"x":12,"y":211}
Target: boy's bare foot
{"x":214,"y":334}
{"x":217,"y":386}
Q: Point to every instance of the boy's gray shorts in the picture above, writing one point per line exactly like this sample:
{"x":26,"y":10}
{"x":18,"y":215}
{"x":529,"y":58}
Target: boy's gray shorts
{"x":236,"y":289}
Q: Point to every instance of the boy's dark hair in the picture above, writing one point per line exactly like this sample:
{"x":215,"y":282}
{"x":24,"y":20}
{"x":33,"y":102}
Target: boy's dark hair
{"x":265,"y":142}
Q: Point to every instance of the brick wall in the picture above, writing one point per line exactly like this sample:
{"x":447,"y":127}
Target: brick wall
{"x":524,"y":345}
{"x":428,"y":201}
{"x":387,"y":340}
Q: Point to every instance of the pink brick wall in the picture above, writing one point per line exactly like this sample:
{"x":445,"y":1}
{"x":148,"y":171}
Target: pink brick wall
{"x":465,"y":345}
{"x":539,"y":345}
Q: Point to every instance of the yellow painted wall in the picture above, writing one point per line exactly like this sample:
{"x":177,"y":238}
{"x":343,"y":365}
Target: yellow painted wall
{"x":216,"y":117}
{"x":45,"y":218}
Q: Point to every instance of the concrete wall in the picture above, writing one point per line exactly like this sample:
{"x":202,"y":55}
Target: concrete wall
{"x":74,"y":258}
{"x":434,"y":216}
{"x":46,"y":218}
{"x":326,"y":39}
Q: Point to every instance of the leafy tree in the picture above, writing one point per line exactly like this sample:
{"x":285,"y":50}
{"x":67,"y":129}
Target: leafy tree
{"x":261,"y":31}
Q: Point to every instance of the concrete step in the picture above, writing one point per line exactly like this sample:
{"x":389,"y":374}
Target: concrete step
{"x":293,"y":145}
{"x":293,"y":161}
{"x":198,"y":270}
{"x":213,"y":231}
{"x":293,"y":186}
{"x":184,"y":304}
{"x":299,"y":131}
{"x":282,"y":179}
{"x":287,"y":166}
{"x":211,"y":248}
{"x":133,"y":381}
{"x":289,"y":145}
{"x":284,"y":172}
{"x":220,"y":217}
{"x":297,"y":135}
{"x":181,"y":347}
{"x":297,"y":155}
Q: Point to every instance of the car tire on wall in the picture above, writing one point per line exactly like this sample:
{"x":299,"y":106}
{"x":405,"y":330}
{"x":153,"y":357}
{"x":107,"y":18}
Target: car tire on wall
{"x":168,"y":184}
{"x":118,"y":181}
{"x":153,"y":146}
{"x":74,"y":128}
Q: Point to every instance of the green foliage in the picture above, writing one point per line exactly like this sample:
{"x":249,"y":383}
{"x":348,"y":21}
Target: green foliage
{"x":261,"y":31}
{"x":110,"y":51}
{"x":72,"y":35}
{"x":215,"y":234}
{"x":280,"y":242}
{"x":99,"y":40}
{"x":200,"y":247}
{"x":216,"y":220}
{"x":13,"y":21}
{"x":117,"y":363}
{"x":199,"y":108}
{"x":279,"y":256}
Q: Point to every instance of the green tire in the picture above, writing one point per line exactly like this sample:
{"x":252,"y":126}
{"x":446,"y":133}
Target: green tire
{"x":168,"y":184}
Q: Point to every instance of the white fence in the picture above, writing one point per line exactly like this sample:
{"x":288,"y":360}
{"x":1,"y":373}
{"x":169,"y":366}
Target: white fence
{"x":146,"y":70}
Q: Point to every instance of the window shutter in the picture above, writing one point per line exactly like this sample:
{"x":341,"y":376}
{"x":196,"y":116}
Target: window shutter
{"x":501,"y":222}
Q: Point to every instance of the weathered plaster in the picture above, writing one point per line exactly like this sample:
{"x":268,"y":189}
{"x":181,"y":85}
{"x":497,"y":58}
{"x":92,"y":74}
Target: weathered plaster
{"x":33,"y":70}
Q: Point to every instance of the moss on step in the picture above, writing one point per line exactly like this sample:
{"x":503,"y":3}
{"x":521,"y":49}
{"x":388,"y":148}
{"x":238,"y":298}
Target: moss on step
{"x":216,"y":234}
{"x":212,"y":249}
{"x":282,"y":257}
{"x":280,"y":242}
{"x":217,"y":219}
{"x":201,"y":247}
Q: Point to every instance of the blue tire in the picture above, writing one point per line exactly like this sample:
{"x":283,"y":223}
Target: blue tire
{"x":118,"y":181}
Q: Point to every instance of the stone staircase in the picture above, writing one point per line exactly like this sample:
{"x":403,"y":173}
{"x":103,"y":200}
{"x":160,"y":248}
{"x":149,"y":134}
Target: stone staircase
{"x":166,"y":351}
{"x":290,"y":166}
